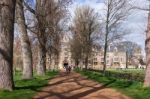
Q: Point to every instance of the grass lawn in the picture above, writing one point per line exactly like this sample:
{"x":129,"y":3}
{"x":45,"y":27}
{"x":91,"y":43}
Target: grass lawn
{"x":135,"y":71}
{"x":26,"y":89}
{"x":133,"y":89}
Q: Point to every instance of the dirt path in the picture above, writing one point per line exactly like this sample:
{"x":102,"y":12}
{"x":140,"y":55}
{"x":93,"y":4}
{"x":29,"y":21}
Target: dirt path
{"x":75,"y":86}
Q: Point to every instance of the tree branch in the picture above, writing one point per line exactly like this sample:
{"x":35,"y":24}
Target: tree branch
{"x":29,"y":8}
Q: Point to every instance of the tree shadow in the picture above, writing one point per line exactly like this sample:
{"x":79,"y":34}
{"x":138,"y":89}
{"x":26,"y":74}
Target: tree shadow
{"x":37,"y":87}
{"x":31,"y":87}
{"x":67,"y":94}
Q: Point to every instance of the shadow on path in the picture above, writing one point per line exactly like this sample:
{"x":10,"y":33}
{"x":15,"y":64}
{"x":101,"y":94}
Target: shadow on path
{"x":75,"y":86}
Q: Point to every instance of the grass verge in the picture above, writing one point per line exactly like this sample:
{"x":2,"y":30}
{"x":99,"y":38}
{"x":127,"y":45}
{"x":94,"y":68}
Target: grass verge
{"x":132,"y":89}
{"x":26,"y":89}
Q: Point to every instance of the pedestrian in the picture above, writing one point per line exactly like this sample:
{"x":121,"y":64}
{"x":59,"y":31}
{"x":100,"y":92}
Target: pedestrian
{"x":65,"y":64}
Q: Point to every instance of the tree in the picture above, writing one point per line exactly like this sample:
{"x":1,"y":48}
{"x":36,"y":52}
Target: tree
{"x":25,"y":43}
{"x":57,"y":18}
{"x":147,"y":47}
{"x":116,"y":12}
{"x":7,"y":13}
{"x":76,"y":50}
{"x":130,"y":48}
{"x":86,"y":27}
{"x":40,"y":15}
{"x":50,"y":19}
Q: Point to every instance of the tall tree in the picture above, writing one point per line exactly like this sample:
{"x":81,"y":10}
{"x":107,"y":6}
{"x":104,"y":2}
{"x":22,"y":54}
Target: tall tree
{"x":50,"y":21}
{"x":76,"y":50}
{"x":116,"y":13}
{"x":25,"y":43}
{"x":7,"y":13}
{"x":51,"y":17}
{"x":57,"y":18}
{"x":147,"y":49}
{"x":86,"y":27}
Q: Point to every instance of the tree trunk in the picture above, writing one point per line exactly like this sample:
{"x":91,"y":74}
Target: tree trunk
{"x":41,"y":68}
{"x":56,"y":62}
{"x":77,"y":63}
{"x":25,"y":43}
{"x":86,"y":62}
{"x":7,"y":12}
{"x":40,"y":14}
{"x":147,"y":49}
{"x":106,"y":38}
{"x":126,"y":60}
{"x":105,"y":53}
{"x":105,"y":49}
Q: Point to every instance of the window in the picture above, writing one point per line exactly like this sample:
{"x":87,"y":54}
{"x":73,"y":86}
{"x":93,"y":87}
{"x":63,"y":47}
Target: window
{"x":116,"y":59}
{"x":95,"y":63}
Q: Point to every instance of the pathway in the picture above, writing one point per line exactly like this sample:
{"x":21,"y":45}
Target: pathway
{"x":75,"y":86}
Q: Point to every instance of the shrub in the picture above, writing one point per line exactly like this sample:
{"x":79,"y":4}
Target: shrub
{"x":127,"y":75}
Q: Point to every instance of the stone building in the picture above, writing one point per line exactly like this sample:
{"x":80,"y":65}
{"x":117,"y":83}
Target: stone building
{"x":116,"y":56}
{"x":65,"y":51}
{"x":113,"y":60}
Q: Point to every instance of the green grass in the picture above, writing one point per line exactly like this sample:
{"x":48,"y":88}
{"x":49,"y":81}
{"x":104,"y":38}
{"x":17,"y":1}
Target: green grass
{"x":126,"y":74}
{"x":131,"y":71}
{"x":133,"y":89}
{"x":26,"y":89}
{"x":141,"y":71}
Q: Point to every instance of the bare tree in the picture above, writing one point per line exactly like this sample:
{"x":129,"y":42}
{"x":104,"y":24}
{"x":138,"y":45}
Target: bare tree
{"x":147,"y":46}
{"x":57,"y":17}
{"x":7,"y":12}
{"x":86,"y":25}
{"x":50,"y":19}
{"x":25,"y":43}
{"x":116,"y":12}
{"x":76,"y":50}
{"x":40,"y":15}
{"x":147,"y":49}
{"x":130,"y":48}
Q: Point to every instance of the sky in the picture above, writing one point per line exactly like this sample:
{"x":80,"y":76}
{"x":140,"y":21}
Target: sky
{"x":136,"y":22}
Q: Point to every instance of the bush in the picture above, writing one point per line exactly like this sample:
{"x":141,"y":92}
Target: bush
{"x":124,"y":74}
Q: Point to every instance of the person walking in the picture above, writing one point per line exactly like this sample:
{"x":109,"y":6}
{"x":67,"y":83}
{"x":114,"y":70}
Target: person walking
{"x":66,"y":65}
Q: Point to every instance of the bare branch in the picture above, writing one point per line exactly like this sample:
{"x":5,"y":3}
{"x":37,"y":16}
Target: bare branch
{"x":29,"y":8}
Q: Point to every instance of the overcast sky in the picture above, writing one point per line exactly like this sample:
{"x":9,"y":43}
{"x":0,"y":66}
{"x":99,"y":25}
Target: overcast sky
{"x":136,"y":22}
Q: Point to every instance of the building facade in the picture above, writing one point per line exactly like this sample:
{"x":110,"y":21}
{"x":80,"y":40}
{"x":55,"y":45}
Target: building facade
{"x":65,"y":51}
{"x":113,"y":60}
{"x":116,"y":57}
